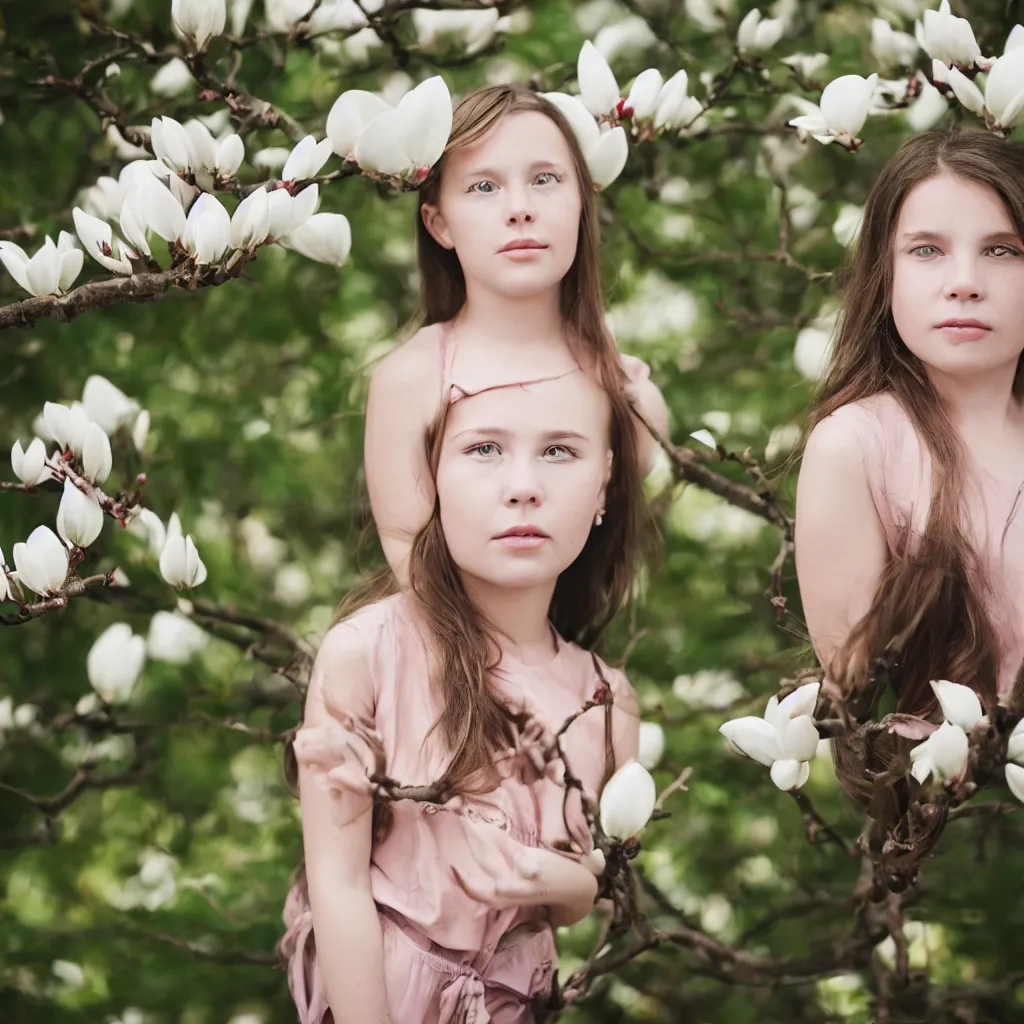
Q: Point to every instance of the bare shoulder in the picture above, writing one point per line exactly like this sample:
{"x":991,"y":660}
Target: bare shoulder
{"x":412,"y":362}
{"x":833,"y":442}
{"x":341,"y":678}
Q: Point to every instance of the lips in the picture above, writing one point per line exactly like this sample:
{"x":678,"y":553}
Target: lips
{"x":522,"y":243}
{"x":522,"y":531}
{"x":965,"y":324}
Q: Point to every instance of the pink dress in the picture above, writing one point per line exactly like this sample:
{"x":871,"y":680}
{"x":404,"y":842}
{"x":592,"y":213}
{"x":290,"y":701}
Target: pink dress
{"x":447,"y":958}
{"x":898,"y":468}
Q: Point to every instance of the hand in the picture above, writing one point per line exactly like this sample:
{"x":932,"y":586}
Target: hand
{"x":504,"y":873}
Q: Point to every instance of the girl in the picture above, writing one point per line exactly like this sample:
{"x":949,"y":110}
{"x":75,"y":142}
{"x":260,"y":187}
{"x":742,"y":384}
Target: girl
{"x":508,"y":254}
{"x":442,"y":912}
{"x":910,"y":536}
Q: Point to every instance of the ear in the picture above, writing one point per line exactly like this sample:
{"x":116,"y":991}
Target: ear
{"x":437,"y":227}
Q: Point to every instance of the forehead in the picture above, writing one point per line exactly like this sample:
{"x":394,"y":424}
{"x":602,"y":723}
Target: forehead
{"x":949,"y":203}
{"x":519,"y":139}
{"x":570,"y":403}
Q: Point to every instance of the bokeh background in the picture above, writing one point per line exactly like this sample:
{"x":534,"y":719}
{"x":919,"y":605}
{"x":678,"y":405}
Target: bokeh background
{"x":155,"y":894}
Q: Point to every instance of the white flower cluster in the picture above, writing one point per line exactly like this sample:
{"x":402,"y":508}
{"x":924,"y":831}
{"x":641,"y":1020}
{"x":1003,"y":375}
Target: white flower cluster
{"x":81,"y":461}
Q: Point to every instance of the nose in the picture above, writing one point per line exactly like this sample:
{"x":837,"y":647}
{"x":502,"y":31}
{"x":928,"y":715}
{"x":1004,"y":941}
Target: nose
{"x":521,"y":209}
{"x":964,"y":283}
{"x":523,"y":486}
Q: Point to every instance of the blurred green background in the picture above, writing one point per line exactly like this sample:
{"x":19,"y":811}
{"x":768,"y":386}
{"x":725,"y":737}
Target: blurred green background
{"x":156,"y":896}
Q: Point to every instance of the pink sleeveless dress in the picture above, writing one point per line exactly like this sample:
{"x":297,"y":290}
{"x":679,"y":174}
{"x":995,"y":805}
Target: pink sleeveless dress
{"x":898,"y":468}
{"x":447,"y":958}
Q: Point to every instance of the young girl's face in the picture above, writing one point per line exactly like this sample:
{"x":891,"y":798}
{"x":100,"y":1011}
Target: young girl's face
{"x":958,"y":278}
{"x":510,"y":207}
{"x":521,"y":476}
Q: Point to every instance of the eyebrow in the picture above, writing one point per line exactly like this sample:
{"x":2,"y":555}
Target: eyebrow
{"x":489,"y":172}
{"x":936,"y":236}
{"x":502,"y":432}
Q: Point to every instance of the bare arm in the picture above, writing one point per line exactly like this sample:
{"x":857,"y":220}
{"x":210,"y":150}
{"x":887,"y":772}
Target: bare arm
{"x":650,"y":403}
{"x":345,"y":922}
{"x":398,"y":411}
{"x":840,"y":544}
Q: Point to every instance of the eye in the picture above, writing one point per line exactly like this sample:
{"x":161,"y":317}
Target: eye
{"x":560,"y":453}
{"x":549,"y":175}
{"x":1003,"y":251}
{"x":924,"y":250}
{"x":478,"y":187}
{"x":485,"y":449}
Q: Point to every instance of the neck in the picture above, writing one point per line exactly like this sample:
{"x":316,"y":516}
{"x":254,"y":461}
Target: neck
{"x":505,"y":319}
{"x":980,"y":406}
{"x":520,"y":616}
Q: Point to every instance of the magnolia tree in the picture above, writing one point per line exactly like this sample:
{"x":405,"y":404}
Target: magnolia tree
{"x":232,"y":191}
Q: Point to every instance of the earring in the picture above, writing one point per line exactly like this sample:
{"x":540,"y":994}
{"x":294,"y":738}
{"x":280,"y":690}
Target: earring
{"x":599,"y":518}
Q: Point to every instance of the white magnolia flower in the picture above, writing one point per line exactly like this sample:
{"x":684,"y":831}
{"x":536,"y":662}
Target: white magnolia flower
{"x":180,"y":564}
{"x":147,"y":524}
{"x":107,"y":405}
{"x":207,"y":229}
{"x":67,"y":426}
{"x":627,"y":801}
{"x":98,"y":238}
{"x":174,"y":638}
{"x":960,"y":704}
{"x":172,"y":79}
{"x":1015,"y":780}
{"x":285,"y":15}
{"x":784,"y":740}
{"x":947,"y":38}
{"x":288,"y":212}
{"x":757,"y":33}
{"x":652,"y":744}
{"x":229,"y":156}
{"x":812,"y":350}
{"x":470,"y":30}
{"x":324,"y":237}
{"x":140,"y":431}
{"x":338,"y":16}
{"x":51,"y":270}
{"x":929,"y":107}
{"x":706,"y":438}
{"x":28,"y":463}
{"x":250,"y":223}
{"x":306,"y":159}
{"x":642,"y":101}
{"x":352,"y":111}
{"x":114,"y":662}
{"x":604,"y":152}
{"x":598,"y":88}
{"x":892,"y":49}
{"x":943,"y":755}
{"x":271,"y":159}
{"x":845,"y":102}
{"x":1004,"y":90}
{"x":171,"y":144}
{"x":79,"y":516}
{"x":199,"y":21}
{"x":807,"y":64}
{"x":846,"y":226}
{"x":409,"y":139}
{"x":153,"y":208}
{"x":97,"y":459}
{"x":1015,"y":39}
{"x":41,"y":562}
{"x":5,"y":585}
{"x":676,"y":108}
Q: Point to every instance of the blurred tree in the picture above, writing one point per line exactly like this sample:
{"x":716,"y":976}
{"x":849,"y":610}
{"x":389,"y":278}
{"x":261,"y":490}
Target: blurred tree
{"x":145,"y":847}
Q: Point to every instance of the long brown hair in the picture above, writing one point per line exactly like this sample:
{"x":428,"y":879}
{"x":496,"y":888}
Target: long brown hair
{"x":928,"y":618}
{"x":442,"y":282}
{"x":474,"y":720}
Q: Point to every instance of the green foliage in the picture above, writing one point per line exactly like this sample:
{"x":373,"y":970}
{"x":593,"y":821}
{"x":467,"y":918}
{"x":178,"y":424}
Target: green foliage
{"x":166,"y":886}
